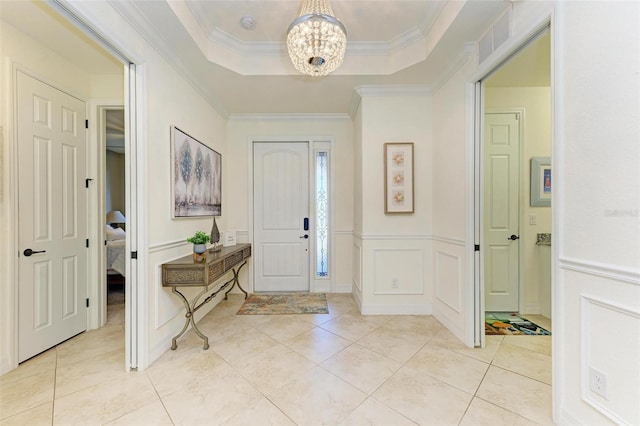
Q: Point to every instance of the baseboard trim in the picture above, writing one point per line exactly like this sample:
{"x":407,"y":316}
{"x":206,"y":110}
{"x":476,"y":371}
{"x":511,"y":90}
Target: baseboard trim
{"x":377,"y":309}
{"x":343,"y":288}
{"x":156,"y":352}
{"x":531,"y":308}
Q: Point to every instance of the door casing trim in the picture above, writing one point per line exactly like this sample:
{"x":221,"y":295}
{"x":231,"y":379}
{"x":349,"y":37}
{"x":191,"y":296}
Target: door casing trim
{"x":314,"y":143}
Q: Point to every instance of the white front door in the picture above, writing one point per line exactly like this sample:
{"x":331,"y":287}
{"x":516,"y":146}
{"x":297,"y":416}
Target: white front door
{"x":280,"y":207}
{"x":501,"y":214}
{"x":52,"y":205}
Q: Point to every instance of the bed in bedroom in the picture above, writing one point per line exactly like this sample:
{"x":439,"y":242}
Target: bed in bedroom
{"x":115,"y":251}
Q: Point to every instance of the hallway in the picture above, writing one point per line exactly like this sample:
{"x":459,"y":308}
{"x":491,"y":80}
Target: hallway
{"x":336,"y":369}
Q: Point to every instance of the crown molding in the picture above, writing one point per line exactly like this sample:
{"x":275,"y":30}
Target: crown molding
{"x":288,"y":117}
{"x":227,"y":41}
{"x":130,"y":12}
{"x":468,"y":53}
{"x":384,"y":90}
{"x":392,"y":90}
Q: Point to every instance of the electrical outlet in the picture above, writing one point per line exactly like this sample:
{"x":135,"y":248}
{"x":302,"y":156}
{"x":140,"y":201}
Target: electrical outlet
{"x":598,"y":382}
{"x":394,"y":283}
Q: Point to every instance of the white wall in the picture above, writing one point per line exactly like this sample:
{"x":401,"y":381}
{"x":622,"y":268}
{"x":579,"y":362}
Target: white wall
{"x":183,"y":107}
{"x":388,"y":247}
{"x":536,"y":142}
{"x":597,"y":210}
{"x":236,"y":199}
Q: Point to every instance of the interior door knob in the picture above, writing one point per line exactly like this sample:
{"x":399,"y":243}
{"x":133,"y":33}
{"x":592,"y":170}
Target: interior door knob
{"x":28,"y":252}
{"x":305,"y":236}
{"x":514,"y":237}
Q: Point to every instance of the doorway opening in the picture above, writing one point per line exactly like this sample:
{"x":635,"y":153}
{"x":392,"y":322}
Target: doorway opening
{"x":514,"y":112}
{"x":114,"y":70}
{"x":112,"y":135}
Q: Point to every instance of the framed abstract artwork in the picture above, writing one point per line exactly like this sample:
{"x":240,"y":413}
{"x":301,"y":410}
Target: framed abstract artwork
{"x":398,"y":178}
{"x":196,"y":180}
{"x":540,"y":182}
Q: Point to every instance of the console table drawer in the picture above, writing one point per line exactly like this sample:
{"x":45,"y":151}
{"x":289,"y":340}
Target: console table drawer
{"x":232,"y":260}
{"x":185,"y":272}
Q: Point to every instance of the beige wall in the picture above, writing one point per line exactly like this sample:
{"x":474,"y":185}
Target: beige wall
{"x":536,"y":142}
{"x":114,"y":182}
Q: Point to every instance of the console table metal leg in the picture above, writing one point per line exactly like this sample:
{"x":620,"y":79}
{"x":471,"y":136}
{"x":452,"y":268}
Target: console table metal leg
{"x":189,"y":318}
{"x":236,"y":282}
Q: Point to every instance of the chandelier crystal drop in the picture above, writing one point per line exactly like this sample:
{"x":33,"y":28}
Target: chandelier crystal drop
{"x":316,"y":40}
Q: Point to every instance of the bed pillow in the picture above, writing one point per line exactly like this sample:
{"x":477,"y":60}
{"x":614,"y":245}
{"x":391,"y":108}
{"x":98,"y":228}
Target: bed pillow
{"x":115,"y":233}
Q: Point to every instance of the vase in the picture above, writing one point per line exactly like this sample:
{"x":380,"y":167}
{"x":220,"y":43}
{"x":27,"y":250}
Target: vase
{"x":199,"y":252}
{"x":215,"y":235}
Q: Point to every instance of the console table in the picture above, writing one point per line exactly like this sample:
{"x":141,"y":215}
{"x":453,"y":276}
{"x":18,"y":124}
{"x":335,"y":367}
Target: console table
{"x":185,"y":272}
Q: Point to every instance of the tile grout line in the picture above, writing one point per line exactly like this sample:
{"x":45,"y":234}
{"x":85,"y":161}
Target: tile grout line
{"x":55,"y":379}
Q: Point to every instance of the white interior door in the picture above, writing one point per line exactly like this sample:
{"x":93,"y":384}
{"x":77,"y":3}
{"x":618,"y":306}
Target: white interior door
{"x":53,"y":213}
{"x":281,"y":204}
{"x":501,"y":212}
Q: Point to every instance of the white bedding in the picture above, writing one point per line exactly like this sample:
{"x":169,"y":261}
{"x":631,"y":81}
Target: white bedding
{"x":116,"y":256}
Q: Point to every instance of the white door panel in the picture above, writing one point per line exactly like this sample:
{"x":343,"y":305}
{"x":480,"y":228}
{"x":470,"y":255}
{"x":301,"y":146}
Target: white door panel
{"x":281,"y":202}
{"x":52,"y":209}
{"x":501,"y":213}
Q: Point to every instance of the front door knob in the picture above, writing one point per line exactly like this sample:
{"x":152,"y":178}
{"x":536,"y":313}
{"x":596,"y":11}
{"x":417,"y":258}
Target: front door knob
{"x":513,"y":237}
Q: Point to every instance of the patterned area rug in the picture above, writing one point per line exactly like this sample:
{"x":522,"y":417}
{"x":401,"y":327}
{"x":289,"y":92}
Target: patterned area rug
{"x":498,"y":323}
{"x":284,"y":304}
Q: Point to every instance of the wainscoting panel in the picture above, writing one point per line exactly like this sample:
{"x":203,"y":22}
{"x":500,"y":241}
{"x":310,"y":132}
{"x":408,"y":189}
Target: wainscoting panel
{"x":357,"y":266}
{"x":395,"y":275}
{"x":448,"y":282}
{"x":600,"y":333}
{"x":452,"y":303}
{"x":604,"y":325}
{"x":398,"y":271}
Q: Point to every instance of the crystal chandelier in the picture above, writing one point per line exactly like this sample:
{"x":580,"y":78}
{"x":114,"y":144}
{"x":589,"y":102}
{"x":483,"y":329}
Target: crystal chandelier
{"x":316,"y":40}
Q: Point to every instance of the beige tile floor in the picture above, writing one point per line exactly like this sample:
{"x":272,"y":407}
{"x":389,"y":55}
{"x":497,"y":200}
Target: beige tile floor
{"x":336,"y":369}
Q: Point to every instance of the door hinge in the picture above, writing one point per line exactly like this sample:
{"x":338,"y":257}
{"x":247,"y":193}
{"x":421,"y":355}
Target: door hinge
{"x":476,"y":247}
{"x":134,"y":254}
{"x":87,"y":302}
{"x":87,"y":242}
{"x":86,"y":182}
{"x":86,"y":124}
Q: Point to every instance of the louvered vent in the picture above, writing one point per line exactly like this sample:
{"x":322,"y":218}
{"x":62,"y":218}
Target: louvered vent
{"x":497,"y":34}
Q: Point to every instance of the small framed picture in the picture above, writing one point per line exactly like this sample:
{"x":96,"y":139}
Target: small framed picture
{"x":541,"y":182}
{"x":229,"y":238}
{"x":398,"y":178}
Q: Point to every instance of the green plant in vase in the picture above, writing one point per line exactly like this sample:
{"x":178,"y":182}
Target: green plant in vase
{"x":199,"y":241}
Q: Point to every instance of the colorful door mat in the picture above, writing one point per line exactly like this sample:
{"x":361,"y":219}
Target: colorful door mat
{"x":498,"y":323}
{"x":285,"y":304}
